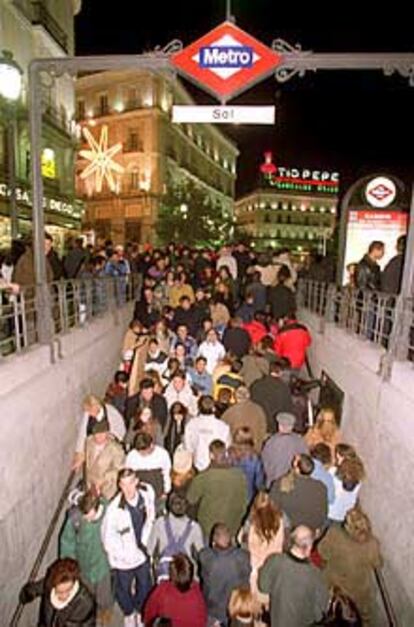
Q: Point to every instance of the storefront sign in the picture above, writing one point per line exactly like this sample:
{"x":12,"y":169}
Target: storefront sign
{"x":299,"y":179}
{"x":23,"y":196}
{"x":223,"y":115}
{"x":226,"y":61}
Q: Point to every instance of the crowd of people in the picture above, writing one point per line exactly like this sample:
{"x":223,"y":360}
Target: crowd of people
{"x":206,"y":498}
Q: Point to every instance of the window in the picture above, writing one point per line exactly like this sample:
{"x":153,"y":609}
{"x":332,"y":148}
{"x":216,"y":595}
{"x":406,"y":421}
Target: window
{"x":80,"y":108}
{"x":103,"y":104}
{"x":134,"y":179}
{"x":134,"y":143}
{"x":132,"y":99}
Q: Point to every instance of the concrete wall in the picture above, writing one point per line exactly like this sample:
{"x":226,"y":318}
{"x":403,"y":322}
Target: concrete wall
{"x":378,"y":418}
{"x":40,"y":405}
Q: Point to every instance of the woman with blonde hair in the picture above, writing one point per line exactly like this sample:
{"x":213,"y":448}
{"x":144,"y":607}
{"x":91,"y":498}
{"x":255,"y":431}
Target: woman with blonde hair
{"x":350,"y":554}
{"x":324,"y":430}
{"x":348,"y":474}
{"x":262,"y":535}
{"x":242,"y":608}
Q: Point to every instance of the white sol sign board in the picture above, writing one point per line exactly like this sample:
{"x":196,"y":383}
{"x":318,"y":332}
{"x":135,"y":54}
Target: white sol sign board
{"x":184,"y":114}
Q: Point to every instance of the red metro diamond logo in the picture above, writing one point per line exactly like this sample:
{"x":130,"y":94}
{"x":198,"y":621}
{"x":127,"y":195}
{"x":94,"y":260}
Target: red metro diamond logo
{"x":226,"y":61}
{"x":381,"y":192}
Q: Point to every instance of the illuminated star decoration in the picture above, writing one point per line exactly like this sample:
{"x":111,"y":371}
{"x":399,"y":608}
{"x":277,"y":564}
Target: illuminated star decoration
{"x":102,"y":166}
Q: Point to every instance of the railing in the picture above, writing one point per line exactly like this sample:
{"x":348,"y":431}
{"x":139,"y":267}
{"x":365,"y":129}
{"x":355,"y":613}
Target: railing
{"x":385,"y":598}
{"x":71,"y":304}
{"x":386,"y":320}
{"x":45,"y":544}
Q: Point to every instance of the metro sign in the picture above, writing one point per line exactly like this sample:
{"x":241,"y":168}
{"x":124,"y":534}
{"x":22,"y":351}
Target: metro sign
{"x":381,"y":192}
{"x":226,"y":61}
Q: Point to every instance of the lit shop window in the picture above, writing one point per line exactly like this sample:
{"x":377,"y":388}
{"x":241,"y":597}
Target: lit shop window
{"x":48,"y":163}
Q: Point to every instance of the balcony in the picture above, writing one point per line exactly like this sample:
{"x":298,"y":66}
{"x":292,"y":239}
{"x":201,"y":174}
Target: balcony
{"x":42,"y":17}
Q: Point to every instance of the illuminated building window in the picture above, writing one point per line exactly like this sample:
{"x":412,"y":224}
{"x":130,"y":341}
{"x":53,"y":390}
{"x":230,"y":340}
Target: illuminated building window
{"x":312,"y":209}
{"x":48,"y":163}
{"x":285,"y":206}
{"x":262,"y":205}
{"x":293,"y":207}
{"x":333,"y":210}
{"x":322,"y":209}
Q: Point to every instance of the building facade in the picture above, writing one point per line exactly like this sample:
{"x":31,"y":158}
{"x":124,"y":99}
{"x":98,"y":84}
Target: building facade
{"x":133,"y":109}
{"x":292,"y":208}
{"x":44,"y":28}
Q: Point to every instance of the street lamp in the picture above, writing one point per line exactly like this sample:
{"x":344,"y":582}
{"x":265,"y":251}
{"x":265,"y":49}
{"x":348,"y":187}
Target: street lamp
{"x":184,"y":210}
{"x":10,"y":90}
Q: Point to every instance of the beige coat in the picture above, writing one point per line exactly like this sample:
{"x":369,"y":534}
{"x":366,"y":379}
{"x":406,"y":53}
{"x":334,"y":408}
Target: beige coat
{"x":140,"y":347}
{"x":102,"y":466}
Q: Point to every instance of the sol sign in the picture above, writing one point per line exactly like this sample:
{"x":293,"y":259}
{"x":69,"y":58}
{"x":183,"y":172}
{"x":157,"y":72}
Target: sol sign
{"x":226,"y":61}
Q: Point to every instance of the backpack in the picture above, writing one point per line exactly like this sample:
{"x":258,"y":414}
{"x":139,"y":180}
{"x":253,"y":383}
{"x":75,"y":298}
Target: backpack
{"x":173,"y":547}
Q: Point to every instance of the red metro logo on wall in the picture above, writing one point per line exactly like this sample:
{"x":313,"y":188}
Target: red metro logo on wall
{"x":226,"y":61}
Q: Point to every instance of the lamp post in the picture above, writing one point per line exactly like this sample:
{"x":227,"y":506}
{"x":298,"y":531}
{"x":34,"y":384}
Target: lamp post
{"x":10,"y":91}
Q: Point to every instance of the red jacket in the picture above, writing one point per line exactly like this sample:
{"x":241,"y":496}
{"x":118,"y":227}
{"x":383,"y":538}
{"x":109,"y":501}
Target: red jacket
{"x":256,"y":330}
{"x":292,"y":341}
{"x":185,"y":609}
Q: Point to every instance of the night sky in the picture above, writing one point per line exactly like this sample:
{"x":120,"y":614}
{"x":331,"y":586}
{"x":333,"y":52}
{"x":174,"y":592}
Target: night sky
{"x":354,"y":122}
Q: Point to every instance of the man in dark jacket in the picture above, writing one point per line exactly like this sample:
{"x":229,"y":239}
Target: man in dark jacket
{"x":368,"y":271}
{"x":392,"y":274}
{"x":280,"y":297}
{"x":147,"y":397}
{"x":236,"y":340}
{"x":74,"y":259}
{"x":306,"y":503}
{"x":145,"y":311}
{"x":223,"y":568}
{"x":186,"y":314}
{"x":272,"y":394}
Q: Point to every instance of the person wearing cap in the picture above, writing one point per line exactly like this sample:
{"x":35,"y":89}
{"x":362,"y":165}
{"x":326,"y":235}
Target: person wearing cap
{"x":246,"y":413}
{"x":298,"y":593}
{"x":273,"y":394}
{"x":104,"y":457}
{"x":281,"y":448}
{"x":94,"y":411}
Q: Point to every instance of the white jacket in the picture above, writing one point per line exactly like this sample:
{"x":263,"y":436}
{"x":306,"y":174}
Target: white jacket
{"x":198,"y":435}
{"x":213,"y":353}
{"x":116,"y":426}
{"x":186,"y":397}
{"x":118,"y":536}
{"x":159,"y":459}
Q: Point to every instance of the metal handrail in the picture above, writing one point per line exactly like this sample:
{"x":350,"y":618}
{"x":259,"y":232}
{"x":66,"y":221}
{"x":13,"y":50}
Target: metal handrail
{"x":385,"y":597}
{"x":66,"y":305}
{"x":45,"y":544}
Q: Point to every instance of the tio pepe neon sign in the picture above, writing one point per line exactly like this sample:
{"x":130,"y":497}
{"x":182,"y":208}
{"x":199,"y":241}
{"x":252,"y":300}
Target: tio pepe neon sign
{"x":299,"y":179}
